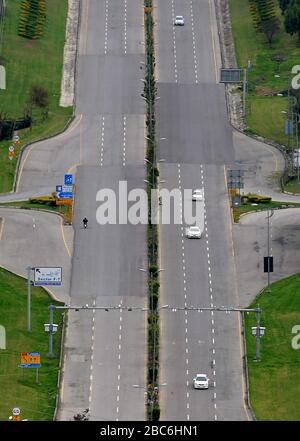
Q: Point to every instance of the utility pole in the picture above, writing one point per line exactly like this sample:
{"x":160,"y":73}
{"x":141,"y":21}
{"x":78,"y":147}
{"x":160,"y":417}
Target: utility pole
{"x":258,"y":334}
{"x":29,"y":298}
{"x":244,"y":91}
{"x":269,"y":272}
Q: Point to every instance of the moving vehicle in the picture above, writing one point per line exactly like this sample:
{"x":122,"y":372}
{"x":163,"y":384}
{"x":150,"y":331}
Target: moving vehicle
{"x":197,"y":195}
{"x":179,"y":20}
{"x":193,"y":232}
{"x":201,"y":381}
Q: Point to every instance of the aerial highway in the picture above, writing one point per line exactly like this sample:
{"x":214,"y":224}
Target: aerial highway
{"x":105,"y":353}
{"x":191,"y":115}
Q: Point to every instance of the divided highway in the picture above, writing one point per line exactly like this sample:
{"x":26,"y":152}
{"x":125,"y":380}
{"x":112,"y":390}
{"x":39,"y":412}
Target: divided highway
{"x":191,"y":115}
{"x":105,"y":352}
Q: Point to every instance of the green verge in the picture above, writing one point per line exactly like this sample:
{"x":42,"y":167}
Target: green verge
{"x":18,"y":386}
{"x":274,"y":381}
{"x":29,"y":62}
{"x":246,"y":208}
{"x":264,"y":112}
{"x":293,"y":186}
{"x":28,"y":206}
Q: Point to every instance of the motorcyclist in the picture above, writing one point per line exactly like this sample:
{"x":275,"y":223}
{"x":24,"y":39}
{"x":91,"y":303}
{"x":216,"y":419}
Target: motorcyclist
{"x":85,"y":222}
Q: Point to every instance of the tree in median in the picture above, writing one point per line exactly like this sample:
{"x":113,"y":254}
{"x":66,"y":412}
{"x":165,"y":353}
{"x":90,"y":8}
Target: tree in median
{"x":292,"y":18}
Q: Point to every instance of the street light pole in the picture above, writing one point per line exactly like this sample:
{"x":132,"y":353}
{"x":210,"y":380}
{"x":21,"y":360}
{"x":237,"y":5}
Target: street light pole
{"x":29,"y":299}
{"x":51,"y":310}
{"x":269,"y":215}
{"x":258,"y":313}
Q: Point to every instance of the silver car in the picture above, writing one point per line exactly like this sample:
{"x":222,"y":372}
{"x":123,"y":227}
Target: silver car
{"x":179,"y":20}
{"x":193,"y":232}
{"x":201,"y":381}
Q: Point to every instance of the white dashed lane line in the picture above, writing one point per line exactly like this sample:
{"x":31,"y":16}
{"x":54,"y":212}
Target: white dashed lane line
{"x":119,"y":365}
{"x":125,"y":27}
{"x":174,"y":43}
{"x":194,"y":42}
{"x":124,"y":141}
{"x":211,"y":292}
{"x":102,"y":141}
{"x":106,"y":27}
{"x":92,"y":354}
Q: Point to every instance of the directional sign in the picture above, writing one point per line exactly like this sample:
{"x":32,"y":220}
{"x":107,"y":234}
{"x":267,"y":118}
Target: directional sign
{"x":11,"y":148}
{"x":65,"y":195}
{"x":16,"y":411}
{"x":68,"y":179}
{"x":30,"y":360}
{"x":45,"y":276}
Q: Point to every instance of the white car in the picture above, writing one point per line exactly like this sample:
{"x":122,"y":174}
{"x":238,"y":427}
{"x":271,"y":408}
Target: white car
{"x":197,"y":195}
{"x":193,"y":232}
{"x":201,"y":381}
{"x":179,"y":20}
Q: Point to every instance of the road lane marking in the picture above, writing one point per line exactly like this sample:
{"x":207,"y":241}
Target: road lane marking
{"x":2,"y":227}
{"x":213,"y":42}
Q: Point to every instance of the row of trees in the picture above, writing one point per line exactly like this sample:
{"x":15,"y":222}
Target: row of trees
{"x":267,"y":22}
{"x":265,"y":18}
{"x":291,"y":11}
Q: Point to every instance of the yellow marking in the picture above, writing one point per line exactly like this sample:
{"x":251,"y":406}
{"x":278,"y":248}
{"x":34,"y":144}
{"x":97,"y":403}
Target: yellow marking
{"x":213,"y":42}
{"x":237,"y":297}
{"x":2,"y":227}
{"x":67,"y":132}
{"x":72,"y":167}
{"x":64,"y":239}
{"x":22,"y":167}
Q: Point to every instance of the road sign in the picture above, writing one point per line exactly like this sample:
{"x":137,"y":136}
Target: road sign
{"x":68,"y":179}
{"x":288,"y":127}
{"x":268,"y":264}
{"x":16,"y":411}
{"x":47,"y":276}
{"x":64,"y":202}
{"x":65,"y":195}
{"x":30,"y":357}
{"x":231,"y":76}
{"x":10,"y":158}
{"x":11,"y":148}
{"x":235,"y":173}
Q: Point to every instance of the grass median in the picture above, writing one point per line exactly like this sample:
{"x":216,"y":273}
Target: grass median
{"x":29,"y":62}
{"x":18,"y":386}
{"x":274,"y":381}
{"x":247,"y":208}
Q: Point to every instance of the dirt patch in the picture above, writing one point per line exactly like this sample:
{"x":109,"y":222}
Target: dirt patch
{"x":29,"y":44}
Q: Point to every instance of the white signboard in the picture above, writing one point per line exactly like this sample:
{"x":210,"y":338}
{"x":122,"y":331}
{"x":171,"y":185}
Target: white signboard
{"x":45,"y":276}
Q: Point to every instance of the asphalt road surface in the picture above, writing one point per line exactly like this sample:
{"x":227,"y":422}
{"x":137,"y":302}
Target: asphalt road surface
{"x":23,"y":243}
{"x":105,"y":354}
{"x":192,"y":117}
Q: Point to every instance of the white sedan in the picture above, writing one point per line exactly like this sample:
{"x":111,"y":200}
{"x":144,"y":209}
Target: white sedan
{"x":197,"y":195}
{"x":179,"y":20}
{"x":201,"y":381}
{"x":193,"y":232}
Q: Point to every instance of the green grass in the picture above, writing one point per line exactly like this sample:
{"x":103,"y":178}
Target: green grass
{"x":274,"y":382}
{"x":27,"y":205}
{"x":265,"y":116}
{"x":246,"y":208}
{"x":18,"y":386}
{"x":293,"y":186}
{"x":29,"y":62}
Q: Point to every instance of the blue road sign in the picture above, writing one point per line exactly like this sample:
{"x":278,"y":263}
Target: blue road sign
{"x":58,"y":188}
{"x":288,"y":127}
{"x":68,"y":179}
{"x":65,"y":195}
{"x":23,"y":365}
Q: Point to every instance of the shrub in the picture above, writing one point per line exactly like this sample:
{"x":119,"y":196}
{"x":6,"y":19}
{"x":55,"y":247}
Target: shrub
{"x":44,"y":200}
